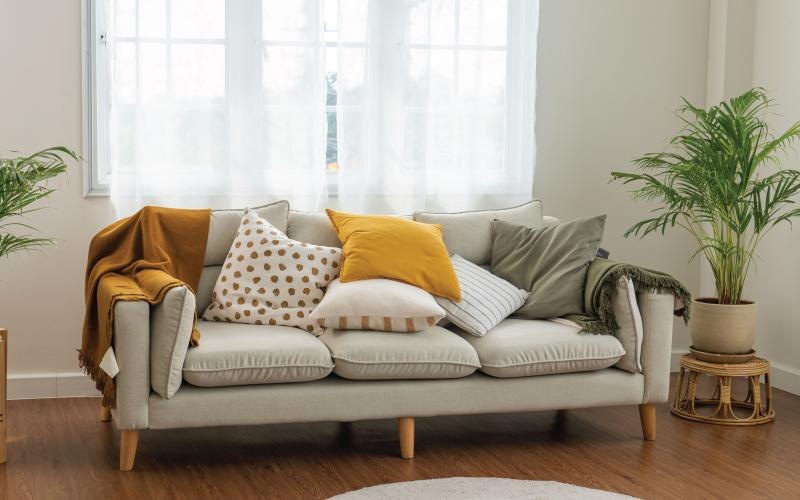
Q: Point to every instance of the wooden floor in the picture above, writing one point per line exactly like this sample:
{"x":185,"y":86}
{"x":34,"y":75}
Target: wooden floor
{"x":58,"y":448}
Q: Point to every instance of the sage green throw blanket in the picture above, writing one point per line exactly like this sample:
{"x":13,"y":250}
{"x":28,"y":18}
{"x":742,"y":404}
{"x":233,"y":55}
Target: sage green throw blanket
{"x":601,"y":288}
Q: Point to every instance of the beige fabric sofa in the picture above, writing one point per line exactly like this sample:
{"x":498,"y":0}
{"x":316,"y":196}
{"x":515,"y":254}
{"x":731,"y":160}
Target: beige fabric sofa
{"x":249,"y":375}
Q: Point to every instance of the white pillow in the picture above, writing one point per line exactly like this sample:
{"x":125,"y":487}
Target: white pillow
{"x":486,"y":300}
{"x":377,"y":304}
{"x":631,"y":329}
{"x":171,"y":324}
{"x":270,"y":279}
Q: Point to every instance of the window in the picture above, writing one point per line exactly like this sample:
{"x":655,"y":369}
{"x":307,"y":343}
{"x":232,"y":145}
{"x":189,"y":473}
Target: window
{"x":386,"y":105}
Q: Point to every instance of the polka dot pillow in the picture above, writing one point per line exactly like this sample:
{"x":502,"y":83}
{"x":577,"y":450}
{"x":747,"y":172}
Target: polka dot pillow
{"x":269,"y":279}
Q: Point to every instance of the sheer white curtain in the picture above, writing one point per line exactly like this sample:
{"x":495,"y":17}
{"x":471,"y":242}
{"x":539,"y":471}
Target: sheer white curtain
{"x":411,"y":104}
{"x":435,"y":104}
{"x":216,"y":103}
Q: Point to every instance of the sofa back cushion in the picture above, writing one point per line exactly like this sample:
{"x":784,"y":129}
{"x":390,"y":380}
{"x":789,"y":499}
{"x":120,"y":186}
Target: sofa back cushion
{"x":550,"y":221}
{"x":316,"y":228}
{"x":469,"y":234}
{"x":313,"y":228}
{"x":205,"y":287}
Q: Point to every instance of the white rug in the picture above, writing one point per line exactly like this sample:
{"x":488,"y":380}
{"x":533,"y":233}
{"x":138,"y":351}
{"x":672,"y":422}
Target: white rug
{"x":477,"y":488}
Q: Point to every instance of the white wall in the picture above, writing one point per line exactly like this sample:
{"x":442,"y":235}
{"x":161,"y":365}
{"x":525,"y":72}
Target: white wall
{"x":610,"y":74}
{"x":776,"y":284}
{"x":41,"y":293}
{"x":754,"y":43}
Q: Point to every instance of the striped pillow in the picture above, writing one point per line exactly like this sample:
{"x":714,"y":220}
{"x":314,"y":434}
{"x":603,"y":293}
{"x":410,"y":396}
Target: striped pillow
{"x":485,"y":299}
{"x":377,"y":304}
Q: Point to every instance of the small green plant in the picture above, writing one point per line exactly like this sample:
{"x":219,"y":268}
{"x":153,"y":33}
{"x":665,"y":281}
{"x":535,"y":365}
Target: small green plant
{"x":713,"y":185}
{"x":23,"y":182}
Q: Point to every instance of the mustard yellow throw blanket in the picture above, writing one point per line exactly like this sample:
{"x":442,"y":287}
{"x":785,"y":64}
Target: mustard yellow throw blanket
{"x":140,"y":257}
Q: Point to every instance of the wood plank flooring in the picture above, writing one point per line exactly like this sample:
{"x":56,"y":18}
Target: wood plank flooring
{"x":58,"y":448}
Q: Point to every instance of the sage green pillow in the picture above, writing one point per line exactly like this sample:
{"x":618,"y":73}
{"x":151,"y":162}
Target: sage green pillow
{"x":550,"y":263}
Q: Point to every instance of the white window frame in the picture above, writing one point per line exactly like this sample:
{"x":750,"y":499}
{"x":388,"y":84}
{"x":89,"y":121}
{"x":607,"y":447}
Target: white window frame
{"x":93,"y":152}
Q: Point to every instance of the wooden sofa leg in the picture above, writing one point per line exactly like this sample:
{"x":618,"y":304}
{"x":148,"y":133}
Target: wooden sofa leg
{"x":105,"y":413}
{"x":647,"y":414}
{"x":128,"y":440}
{"x":405,"y":426}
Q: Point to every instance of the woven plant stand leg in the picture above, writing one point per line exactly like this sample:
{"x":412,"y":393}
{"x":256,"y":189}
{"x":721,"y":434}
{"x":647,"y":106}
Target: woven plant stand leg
{"x":768,"y":393}
{"x":725,"y":397}
{"x":691,"y":391}
{"x":679,"y":394}
{"x":754,"y":395}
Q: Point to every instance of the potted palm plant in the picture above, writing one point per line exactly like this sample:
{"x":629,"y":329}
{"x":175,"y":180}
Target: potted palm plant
{"x":723,"y":183}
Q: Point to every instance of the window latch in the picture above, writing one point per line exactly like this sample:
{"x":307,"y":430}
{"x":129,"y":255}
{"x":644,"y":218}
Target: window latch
{"x":103,"y":38}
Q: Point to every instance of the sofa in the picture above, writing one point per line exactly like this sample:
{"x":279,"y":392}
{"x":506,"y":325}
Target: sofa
{"x":243,"y":374}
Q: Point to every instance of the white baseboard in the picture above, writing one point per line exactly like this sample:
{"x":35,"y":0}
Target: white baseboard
{"x":783,"y":377}
{"x":50,"y":385}
{"x":675,"y":360}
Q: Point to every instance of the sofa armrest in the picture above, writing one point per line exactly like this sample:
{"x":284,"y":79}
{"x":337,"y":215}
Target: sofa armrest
{"x":132,"y":350}
{"x":657,"y":320}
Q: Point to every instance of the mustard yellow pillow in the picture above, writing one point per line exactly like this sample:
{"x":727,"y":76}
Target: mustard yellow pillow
{"x":383,"y":246}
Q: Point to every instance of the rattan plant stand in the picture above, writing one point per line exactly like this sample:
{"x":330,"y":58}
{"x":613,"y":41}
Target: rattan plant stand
{"x":755,"y":408}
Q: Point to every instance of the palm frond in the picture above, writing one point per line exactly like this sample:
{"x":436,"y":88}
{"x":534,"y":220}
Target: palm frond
{"x":710,"y":184}
{"x":23,"y":182}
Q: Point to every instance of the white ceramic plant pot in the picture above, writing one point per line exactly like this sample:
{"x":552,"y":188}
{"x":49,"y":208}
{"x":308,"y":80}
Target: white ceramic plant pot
{"x":723,"y":328}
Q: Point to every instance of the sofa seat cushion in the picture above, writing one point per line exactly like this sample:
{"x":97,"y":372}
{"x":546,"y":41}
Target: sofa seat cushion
{"x":434,"y":353}
{"x":523,"y":348}
{"x":240,"y":354}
